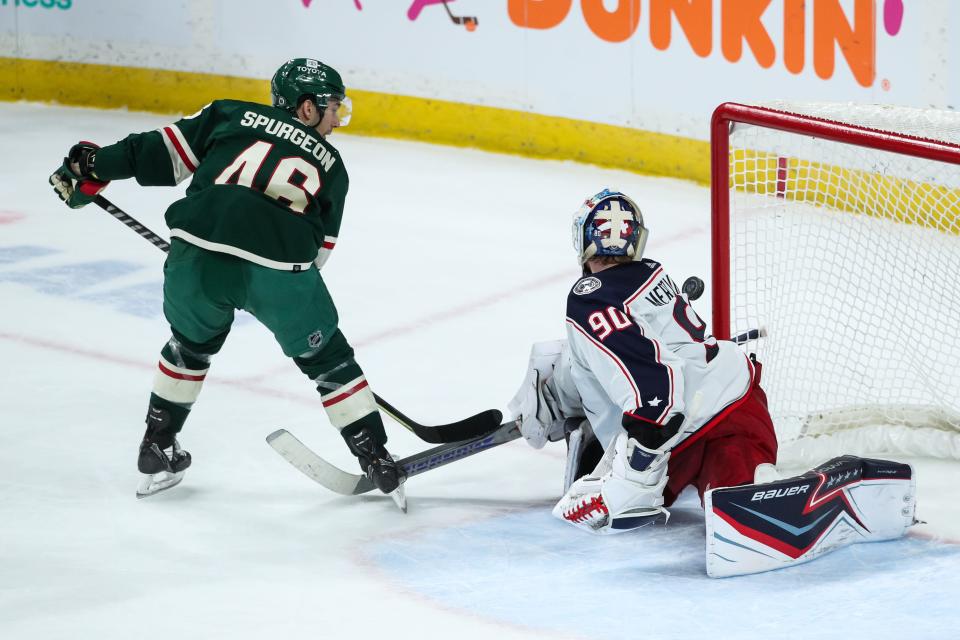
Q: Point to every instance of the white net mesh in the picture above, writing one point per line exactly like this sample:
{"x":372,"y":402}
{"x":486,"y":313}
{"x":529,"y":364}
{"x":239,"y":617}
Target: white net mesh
{"x":848,"y":258}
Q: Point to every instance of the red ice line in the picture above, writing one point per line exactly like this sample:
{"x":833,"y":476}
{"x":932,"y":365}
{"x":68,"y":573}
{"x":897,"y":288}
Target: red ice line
{"x":467,"y":308}
{"x":147,"y":365}
{"x":6,"y":217}
{"x":251,"y":383}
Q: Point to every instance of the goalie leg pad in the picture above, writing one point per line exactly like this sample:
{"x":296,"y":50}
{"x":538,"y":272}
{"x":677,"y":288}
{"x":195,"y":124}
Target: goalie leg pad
{"x":760,"y":527}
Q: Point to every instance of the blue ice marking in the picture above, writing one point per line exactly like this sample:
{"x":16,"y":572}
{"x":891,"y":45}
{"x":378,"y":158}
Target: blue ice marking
{"x":10,"y":255}
{"x":66,"y":280}
{"x":141,"y":300}
{"x":526,"y":568}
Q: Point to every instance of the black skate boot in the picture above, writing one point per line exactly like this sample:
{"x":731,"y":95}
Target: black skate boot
{"x":161,"y":461}
{"x":379,"y":465}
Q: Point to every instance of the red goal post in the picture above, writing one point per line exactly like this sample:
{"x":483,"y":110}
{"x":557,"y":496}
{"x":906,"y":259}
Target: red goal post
{"x":836,"y":229}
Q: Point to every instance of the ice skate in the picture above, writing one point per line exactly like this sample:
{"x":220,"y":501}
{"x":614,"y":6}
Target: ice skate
{"x":379,"y":466}
{"x":161,"y":469}
{"x":399,"y":496}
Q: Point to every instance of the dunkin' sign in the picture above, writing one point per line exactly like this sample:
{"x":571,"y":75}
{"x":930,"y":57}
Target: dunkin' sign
{"x":847,"y":27}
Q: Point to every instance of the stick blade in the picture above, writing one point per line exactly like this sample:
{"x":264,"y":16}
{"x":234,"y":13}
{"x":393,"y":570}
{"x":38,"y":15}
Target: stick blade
{"x":315,"y":467}
{"x":476,"y":425}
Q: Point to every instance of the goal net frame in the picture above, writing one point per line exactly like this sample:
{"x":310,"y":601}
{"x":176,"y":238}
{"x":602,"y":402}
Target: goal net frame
{"x":945,"y":440}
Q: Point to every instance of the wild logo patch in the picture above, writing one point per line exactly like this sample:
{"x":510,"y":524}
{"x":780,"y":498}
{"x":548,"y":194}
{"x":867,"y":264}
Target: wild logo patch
{"x":315,"y":339}
{"x":586,"y":286}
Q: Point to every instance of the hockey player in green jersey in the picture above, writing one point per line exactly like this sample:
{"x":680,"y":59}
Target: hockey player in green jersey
{"x":260,"y":217}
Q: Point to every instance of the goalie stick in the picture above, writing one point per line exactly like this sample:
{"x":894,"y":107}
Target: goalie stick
{"x":482,"y":423}
{"x":340,"y":481}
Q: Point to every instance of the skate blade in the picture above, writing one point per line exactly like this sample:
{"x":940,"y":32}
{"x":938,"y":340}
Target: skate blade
{"x":399,"y":498}
{"x":157,"y":482}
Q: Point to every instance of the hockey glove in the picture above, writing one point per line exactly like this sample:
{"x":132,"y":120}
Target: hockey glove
{"x":75,"y":181}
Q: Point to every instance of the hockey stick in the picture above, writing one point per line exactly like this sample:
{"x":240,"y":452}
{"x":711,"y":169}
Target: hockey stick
{"x":747,"y":336}
{"x":340,"y":481}
{"x":480,"y":424}
{"x":476,"y":425}
{"x":126,"y":219}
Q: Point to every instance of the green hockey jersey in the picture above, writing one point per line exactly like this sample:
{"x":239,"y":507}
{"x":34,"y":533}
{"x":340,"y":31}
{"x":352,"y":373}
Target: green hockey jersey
{"x":265,"y":187}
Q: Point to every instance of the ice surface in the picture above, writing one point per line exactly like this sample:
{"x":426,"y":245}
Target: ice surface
{"x":450,"y":263}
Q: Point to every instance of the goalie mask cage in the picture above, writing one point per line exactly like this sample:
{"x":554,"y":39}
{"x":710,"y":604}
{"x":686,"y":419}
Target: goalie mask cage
{"x":836,"y":230}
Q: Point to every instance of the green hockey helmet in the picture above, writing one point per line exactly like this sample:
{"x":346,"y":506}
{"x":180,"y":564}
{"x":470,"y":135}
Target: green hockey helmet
{"x":305,"y":78}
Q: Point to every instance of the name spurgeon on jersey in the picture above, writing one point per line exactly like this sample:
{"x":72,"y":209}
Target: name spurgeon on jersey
{"x":287,"y":131}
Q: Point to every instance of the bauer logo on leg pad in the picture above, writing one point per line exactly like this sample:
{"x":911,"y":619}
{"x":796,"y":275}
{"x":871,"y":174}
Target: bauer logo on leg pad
{"x":757,"y":528}
{"x":779,"y":492}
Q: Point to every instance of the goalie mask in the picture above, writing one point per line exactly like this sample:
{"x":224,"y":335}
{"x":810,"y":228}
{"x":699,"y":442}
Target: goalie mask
{"x":308,"y":79}
{"x":609,"y":224}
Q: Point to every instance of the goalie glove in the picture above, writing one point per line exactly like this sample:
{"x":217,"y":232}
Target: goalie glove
{"x":624,"y":492}
{"x":541,"y":403}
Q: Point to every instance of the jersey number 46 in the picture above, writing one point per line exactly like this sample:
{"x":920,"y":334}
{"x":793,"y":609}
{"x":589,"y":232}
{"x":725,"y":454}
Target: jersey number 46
{"x":294,"y":179}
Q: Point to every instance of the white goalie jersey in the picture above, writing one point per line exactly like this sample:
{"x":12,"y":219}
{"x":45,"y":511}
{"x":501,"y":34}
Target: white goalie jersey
{"x":637,"y":347}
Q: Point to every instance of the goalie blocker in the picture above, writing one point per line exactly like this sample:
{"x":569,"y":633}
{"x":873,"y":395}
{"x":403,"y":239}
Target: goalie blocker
{"x":760,"y":527}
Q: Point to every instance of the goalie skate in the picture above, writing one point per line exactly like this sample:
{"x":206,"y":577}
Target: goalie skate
{"x":760,"y":527}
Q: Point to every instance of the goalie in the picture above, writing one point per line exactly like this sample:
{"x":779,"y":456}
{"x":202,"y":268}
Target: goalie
{"x":650,"y":403}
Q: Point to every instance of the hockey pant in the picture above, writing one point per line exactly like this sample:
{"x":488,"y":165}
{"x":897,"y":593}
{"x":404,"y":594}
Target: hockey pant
{"x":725,"y":452}
{"x":201,"y":291}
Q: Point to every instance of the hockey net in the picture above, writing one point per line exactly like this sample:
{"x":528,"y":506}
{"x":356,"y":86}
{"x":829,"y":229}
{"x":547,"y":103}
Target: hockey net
{"x":836,"y":231}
